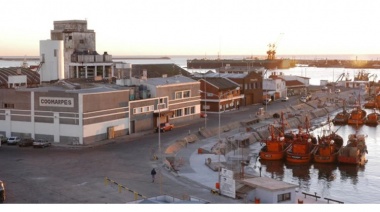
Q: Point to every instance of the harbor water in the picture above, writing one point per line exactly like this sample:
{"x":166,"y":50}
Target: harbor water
{"x":346,"y":183}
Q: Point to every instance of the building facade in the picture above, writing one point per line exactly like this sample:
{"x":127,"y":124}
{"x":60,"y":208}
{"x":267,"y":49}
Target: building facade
{"x":219,"y":94}
{"x":66,"y":116}
{"x":71,"y":53}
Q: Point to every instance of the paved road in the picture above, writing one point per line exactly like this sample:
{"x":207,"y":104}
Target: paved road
{"x":77,"y":175}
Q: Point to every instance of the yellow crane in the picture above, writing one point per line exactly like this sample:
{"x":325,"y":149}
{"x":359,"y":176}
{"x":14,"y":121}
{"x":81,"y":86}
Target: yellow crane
{"x":272,"y":48}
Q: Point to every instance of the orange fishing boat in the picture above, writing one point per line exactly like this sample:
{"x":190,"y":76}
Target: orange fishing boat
{"x":341,"y":118}
{"x":303,"y":146}
{"x":276,"y":144}
{"x":357,"y":115}
{"x":355,"y":151}
{"x":372,"y":119}
{"x":329,"y":145}
{"x":370,"y":104}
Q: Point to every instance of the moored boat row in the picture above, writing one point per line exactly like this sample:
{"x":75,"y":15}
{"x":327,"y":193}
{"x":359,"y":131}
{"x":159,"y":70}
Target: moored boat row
{"x":303,"y":147}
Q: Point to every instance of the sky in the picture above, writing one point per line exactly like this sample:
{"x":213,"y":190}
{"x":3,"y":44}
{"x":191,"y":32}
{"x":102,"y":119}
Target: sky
{"x":199,"y":27}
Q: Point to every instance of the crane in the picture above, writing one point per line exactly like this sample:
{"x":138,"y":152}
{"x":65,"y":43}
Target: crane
{"x":272,"y":48}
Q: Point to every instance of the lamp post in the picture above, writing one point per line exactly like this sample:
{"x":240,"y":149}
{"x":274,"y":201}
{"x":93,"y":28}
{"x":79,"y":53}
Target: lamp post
{"x":159,"y":139}
{"x":205,"y":115}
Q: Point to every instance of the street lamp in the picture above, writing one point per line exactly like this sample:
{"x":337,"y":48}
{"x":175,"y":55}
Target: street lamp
{"x":219,"y":128}
{"x":159,"y":107}
{"x":205,"y":94}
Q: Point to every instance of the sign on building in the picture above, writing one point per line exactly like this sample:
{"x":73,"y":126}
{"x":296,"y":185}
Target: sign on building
{"x":56,"y":102}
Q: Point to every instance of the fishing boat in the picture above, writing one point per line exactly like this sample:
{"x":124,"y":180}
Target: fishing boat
{"x":357,"y":115}
{"x":341,"y":118}
{"x":372,"y":119}
{"x":275,"y":145}
{"x":303,"y":146}
{"x":355,"y":150}
{"x":328,"y":147}
{"x":370,"y":104}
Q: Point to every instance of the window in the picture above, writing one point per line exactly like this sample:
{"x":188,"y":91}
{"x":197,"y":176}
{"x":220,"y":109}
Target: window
{"x":283,"y":197}
{"x":178,"y":95}
{"x":70,"y":37}
{"x":187,"y":111}
{"x":192,"y":110}
{"x":178,"y":112}
{"x":7,"y":105}
{"x":81,"y":41}
{"x":55,"y":52}
{"x":186,"y":94}
{"x":182,"y":94}
{"x":144,"y":109}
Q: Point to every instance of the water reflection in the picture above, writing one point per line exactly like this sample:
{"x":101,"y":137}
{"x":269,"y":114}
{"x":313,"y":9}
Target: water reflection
{"x":326,"y":171}
{"x":299,"y":171}
{"x":350,"y":172}
{"x":274,"y":168}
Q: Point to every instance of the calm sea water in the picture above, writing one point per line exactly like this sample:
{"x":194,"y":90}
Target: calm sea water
{"x":347,"y":183}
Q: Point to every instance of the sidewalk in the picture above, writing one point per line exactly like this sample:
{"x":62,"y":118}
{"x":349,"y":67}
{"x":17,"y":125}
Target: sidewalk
{"x":195,"y":169}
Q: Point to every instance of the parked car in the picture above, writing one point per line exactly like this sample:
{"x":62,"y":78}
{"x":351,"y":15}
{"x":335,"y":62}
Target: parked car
{"x":13,"y":140}
{"x":3,"y":139}
{"x":41,"y":143}
{"x":337,"y":90}
{"x":165,"y":127}
{"x":203,"y":115}
{"x":26,"y":142}
{"x":2,"y":192}
{"x":267,"y":101}
{"x":285,"y":99}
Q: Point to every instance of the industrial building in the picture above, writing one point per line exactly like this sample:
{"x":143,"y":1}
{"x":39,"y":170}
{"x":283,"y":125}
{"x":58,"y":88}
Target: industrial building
{"x":77,"y":96}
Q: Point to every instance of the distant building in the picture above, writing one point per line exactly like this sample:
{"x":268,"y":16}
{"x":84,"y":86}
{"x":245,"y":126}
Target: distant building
{"x":295,"y":85}
{"x":219,"y":94}
{"x":71,"y":53}
{"x":77,"y":96}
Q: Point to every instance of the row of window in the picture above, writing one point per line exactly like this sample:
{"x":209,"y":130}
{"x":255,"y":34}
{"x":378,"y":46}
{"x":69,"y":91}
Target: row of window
{"x":182,"y":94}
{"x":184,"y":111}
{"x":144,"y":109}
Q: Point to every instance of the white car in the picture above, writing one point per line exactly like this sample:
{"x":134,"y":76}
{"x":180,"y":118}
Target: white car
{"x":303,"y":99}
{"x":337,"y":90}
{"x":285,"y":99}
{"x":13,"y":140}
{"x":41,"y":143}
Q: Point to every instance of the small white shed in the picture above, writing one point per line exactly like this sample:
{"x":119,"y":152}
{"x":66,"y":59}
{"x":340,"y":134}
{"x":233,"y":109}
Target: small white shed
{"x":269,"y":191}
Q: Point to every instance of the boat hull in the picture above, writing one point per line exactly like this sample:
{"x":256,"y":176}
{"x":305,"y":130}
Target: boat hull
{"x":325,"y":159}
{"x":360,"y":160}
{"x":271,"y":155}
{"x":297,"y":158}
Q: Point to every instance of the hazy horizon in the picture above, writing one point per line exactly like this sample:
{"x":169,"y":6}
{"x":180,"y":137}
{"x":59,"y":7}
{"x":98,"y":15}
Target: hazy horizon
{"x":200,"y":27}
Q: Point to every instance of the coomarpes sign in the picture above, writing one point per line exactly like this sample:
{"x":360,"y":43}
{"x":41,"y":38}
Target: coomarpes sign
{"x":56,"y":102}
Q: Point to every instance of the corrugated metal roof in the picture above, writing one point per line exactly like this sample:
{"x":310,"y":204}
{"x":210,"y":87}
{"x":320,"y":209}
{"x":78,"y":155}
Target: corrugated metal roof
{"x":32,"y":77}
{"x":226,"y":75}
{"x":222,"y":83}
{"x":169,"y":80}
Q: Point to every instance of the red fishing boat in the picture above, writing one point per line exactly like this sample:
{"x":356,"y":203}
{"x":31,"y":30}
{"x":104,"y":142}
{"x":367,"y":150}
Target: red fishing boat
{"x":329,"y":145}
{"x":275,"y":145}
{"x":357,"y":115}
{"x":341,"y":118}
{"x":373,"y":118}
{"x":355,"y":150}
{"x":303,"y":146}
